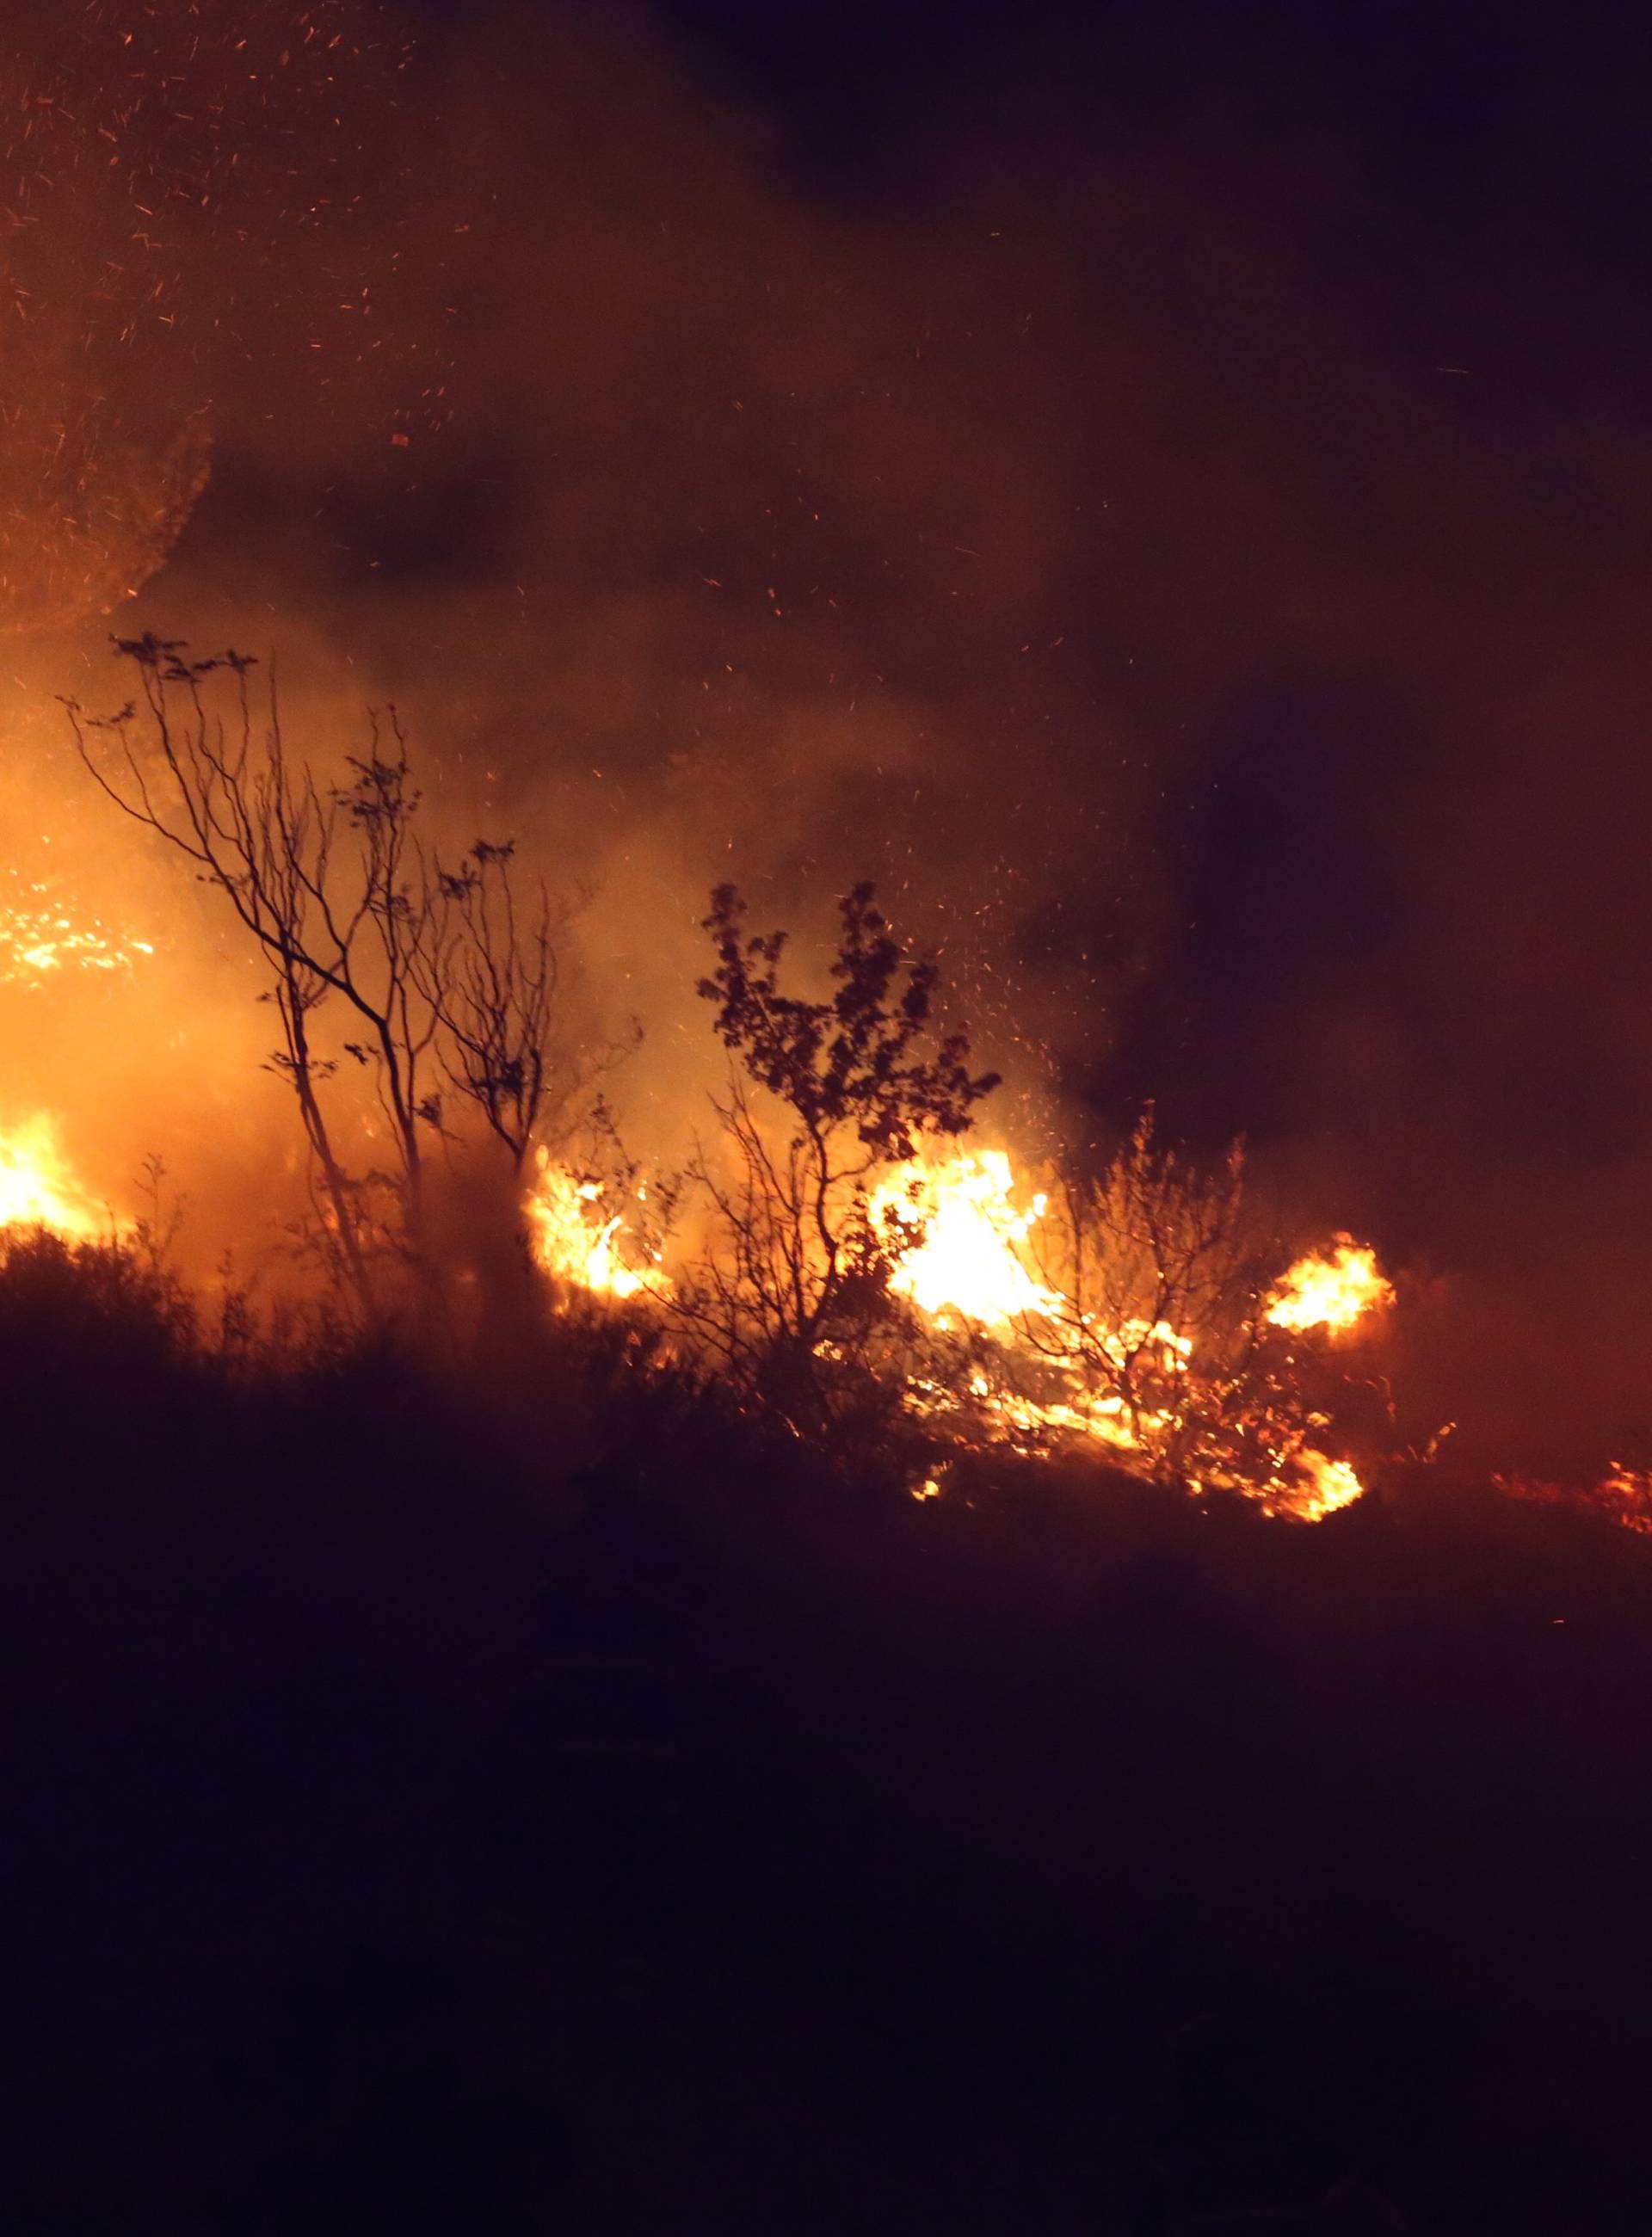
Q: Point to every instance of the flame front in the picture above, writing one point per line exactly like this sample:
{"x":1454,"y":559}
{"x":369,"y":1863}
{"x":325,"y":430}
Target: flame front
{"x":964,"y":1241}
{"x":956,"y":1236}
{"x":1330,"y":1291}
{"x":576,"y":1239}
{"x":37,"y":1188}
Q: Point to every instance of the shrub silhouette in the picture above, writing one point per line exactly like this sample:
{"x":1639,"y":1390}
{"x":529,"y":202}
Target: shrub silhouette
{"x":792,"y":1290}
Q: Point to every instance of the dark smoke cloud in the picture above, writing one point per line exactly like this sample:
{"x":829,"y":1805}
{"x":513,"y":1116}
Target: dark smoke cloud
{"x":1194,"y":565}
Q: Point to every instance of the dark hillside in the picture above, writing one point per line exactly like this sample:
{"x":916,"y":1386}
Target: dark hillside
{"x":751,"y":1854}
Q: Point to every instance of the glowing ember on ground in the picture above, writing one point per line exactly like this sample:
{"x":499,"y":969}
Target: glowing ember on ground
{"x":576,"y":1239}
{"x":1330,"y":1291}
{"x":37,"y":1188}
{"x":1623,"y":1495}
{"x":1627,"y":1492}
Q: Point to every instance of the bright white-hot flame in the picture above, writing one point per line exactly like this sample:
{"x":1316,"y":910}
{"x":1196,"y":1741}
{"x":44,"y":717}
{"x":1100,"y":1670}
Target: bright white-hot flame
{"x":1332,"y":1484}
{"x":37,"y":1188}
{"x":1331,"y":1290}
{"x":579,"y":1240}
{"x":970,"y":1232}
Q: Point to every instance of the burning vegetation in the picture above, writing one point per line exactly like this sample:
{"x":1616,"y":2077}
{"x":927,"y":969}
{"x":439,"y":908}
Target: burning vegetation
{"x":753,"y":1560}
{"x":847,"y":1247}
{"x":845,"y":1250}
{"x":847,"y":1238}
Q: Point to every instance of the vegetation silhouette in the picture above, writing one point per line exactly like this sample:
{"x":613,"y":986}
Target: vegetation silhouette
{"x":574,"y":1784}
{"x":447,"y":973}
{"x":791,"y":1293}
{"x":396,"y":1851}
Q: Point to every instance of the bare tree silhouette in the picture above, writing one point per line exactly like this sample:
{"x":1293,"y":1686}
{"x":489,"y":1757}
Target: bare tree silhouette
{"x":447,"y":977}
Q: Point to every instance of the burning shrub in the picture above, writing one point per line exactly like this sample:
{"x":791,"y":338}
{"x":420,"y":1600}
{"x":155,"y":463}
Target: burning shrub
{"x":883,"y":1292}
{"x":792,"y":1294}
{"x":1139,"y":1308}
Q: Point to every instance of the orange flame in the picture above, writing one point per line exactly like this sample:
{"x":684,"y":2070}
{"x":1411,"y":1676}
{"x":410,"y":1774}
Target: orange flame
{"x":960,"y":1232}
{"x":1330,"y":1291}
{"x":1331,"y":1484}
{"x":37,"y":1188}
{"x":956,"y":1234}
{"x":578,"y":1240}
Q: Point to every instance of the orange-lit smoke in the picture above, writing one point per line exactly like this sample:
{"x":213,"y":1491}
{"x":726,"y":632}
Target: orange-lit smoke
{"x":181,"y":192}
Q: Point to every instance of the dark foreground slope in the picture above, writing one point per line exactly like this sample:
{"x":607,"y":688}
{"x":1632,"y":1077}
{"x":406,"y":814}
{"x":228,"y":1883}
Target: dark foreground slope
{"x":401,"y":1842}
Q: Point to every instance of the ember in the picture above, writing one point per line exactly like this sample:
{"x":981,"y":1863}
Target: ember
{"x":40,"y":936}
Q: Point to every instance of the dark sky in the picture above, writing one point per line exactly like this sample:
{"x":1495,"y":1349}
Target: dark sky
{"x":1168,"y":491}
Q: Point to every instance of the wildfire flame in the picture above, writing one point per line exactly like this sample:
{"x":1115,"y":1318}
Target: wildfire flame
{"x":956,"y":1233}
{"x":1331,"y":1484}
{"x":576,"y":1239}
{"x":38,"y":1189}
{"x":962,"y":1234}
{"x":38,"y":937}
{"x":1330,"y":1291}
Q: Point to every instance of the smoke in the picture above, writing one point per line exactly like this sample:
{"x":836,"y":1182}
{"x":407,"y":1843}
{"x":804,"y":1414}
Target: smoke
{"x":1199,"y":581}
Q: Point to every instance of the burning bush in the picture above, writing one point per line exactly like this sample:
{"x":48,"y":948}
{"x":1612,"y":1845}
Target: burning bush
{"x":792,"y":1293}
{"x":878,"y":1288}
{"x":1136,"y":1307}
{"x":851,"y":1271}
